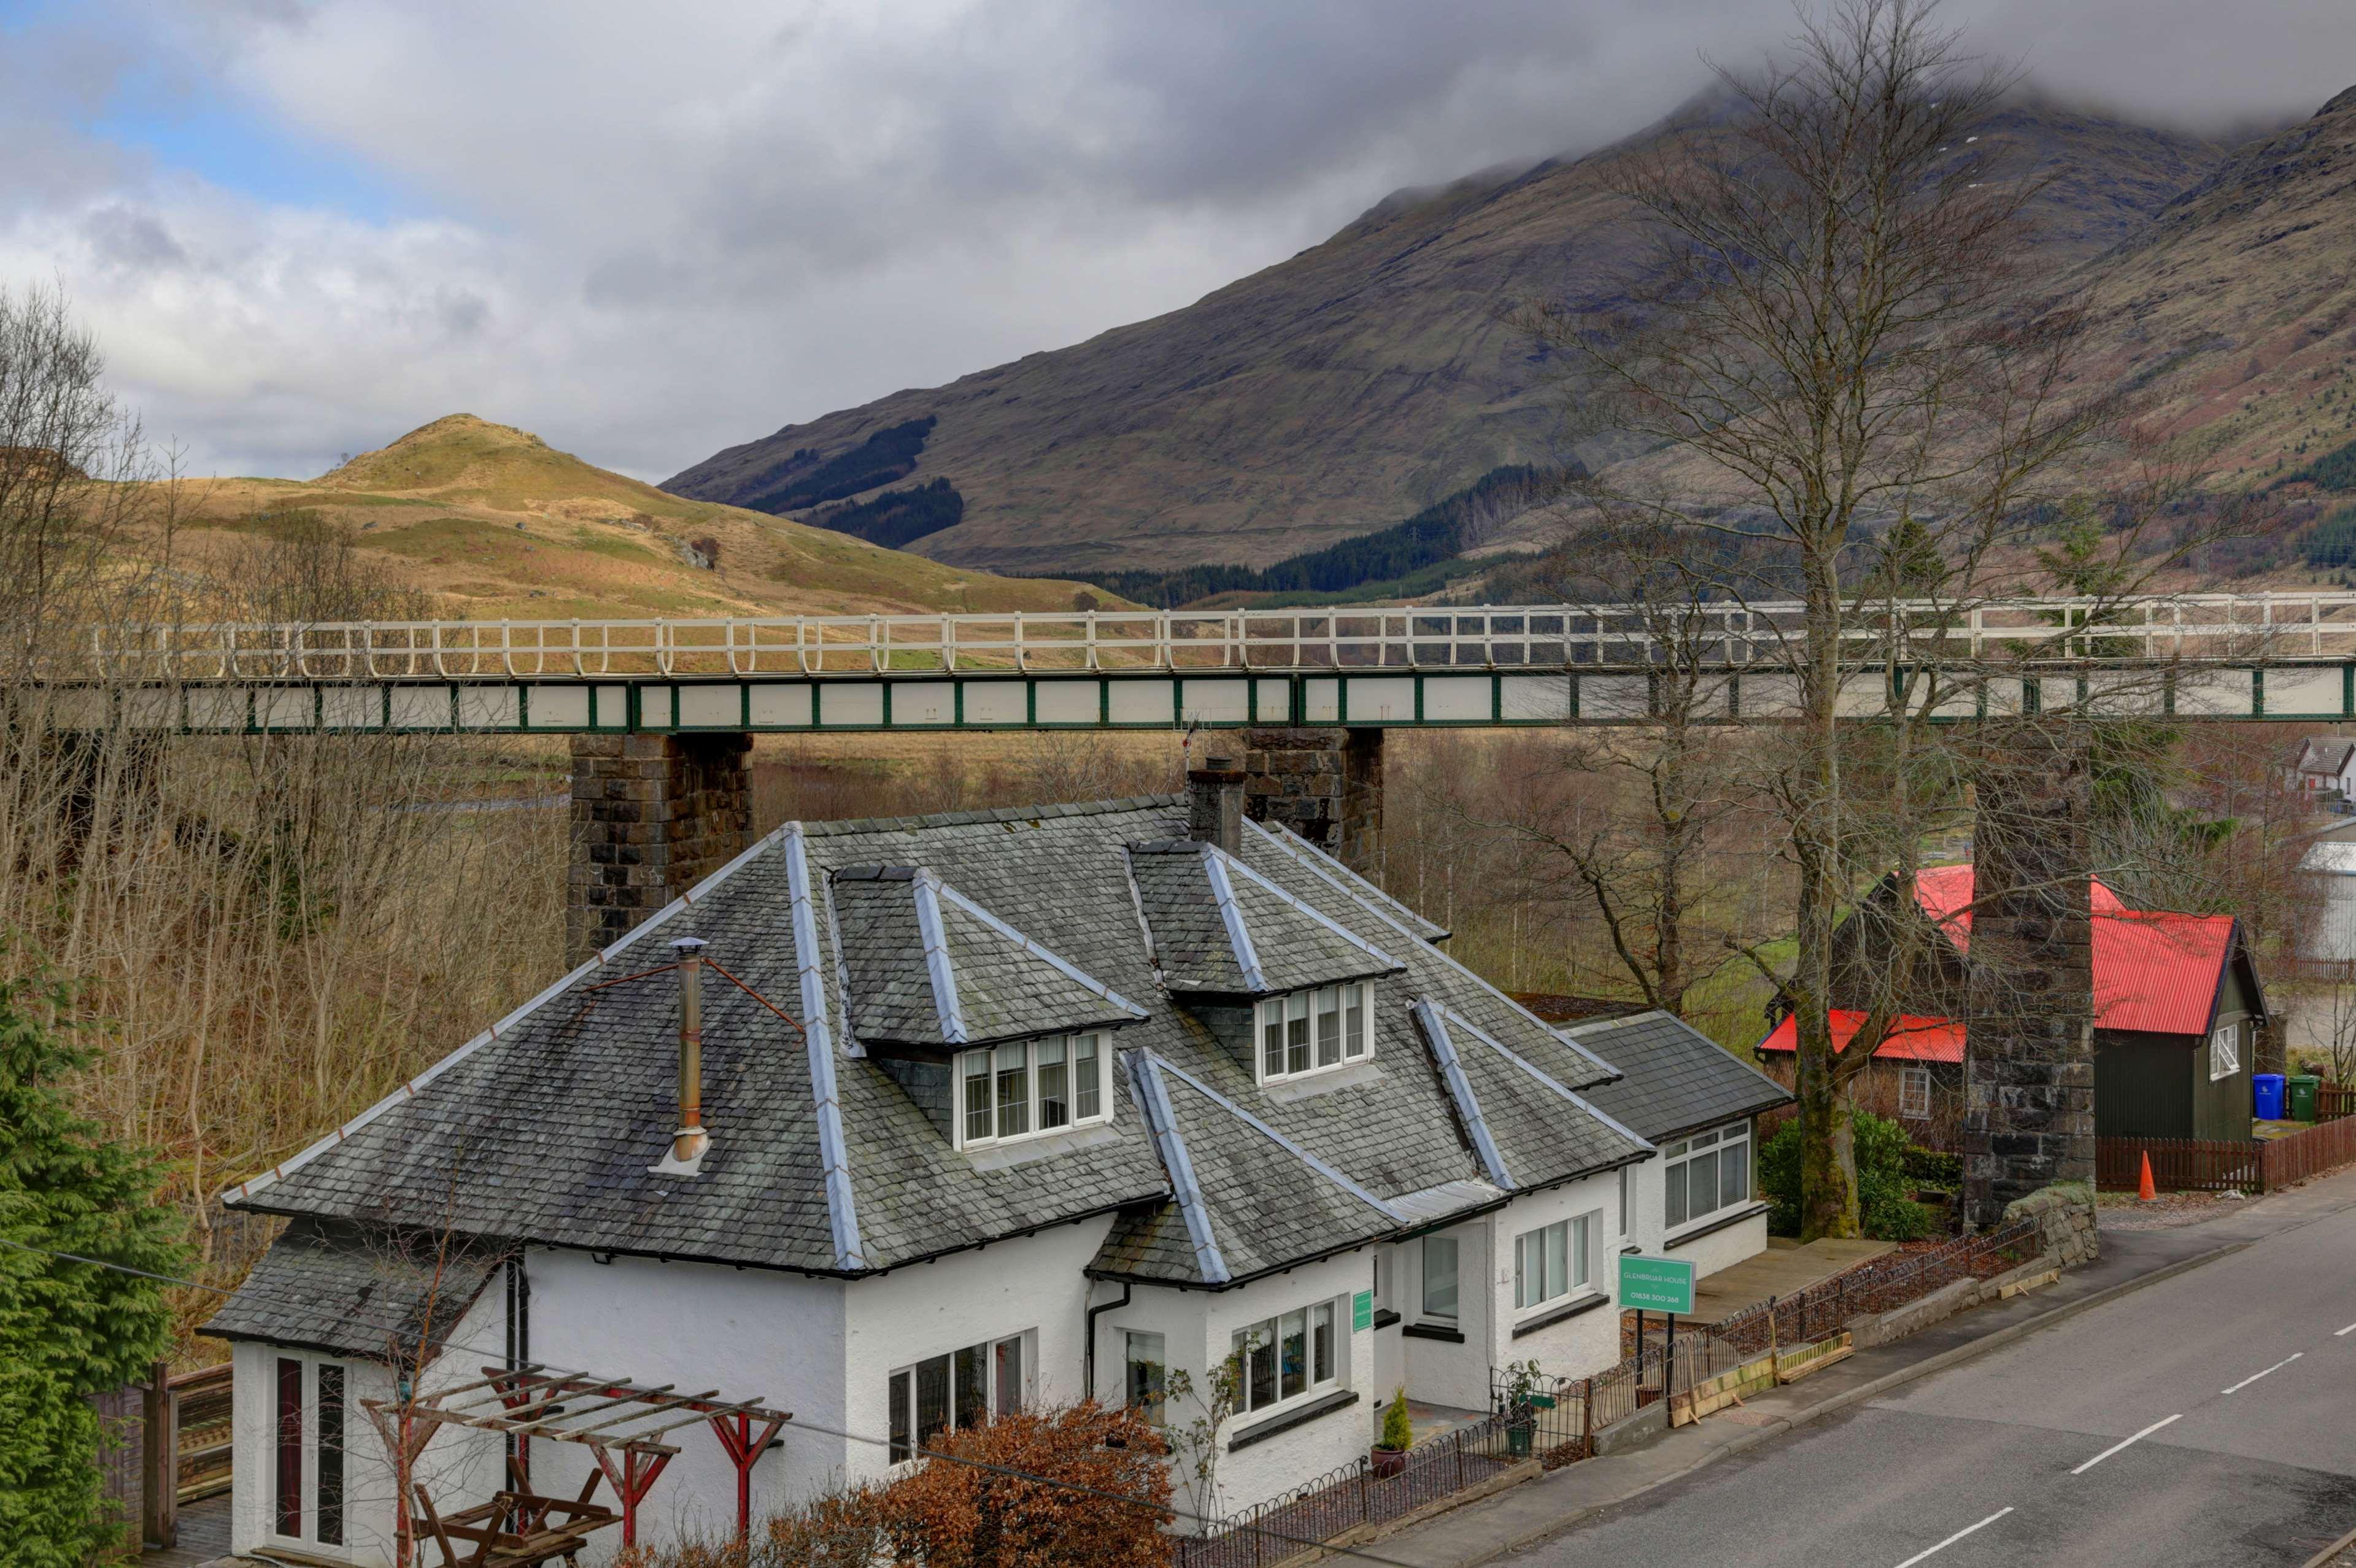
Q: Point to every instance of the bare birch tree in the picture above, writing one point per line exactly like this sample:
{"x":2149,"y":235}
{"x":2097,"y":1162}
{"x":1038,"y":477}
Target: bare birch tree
{"x":1851,"y":387}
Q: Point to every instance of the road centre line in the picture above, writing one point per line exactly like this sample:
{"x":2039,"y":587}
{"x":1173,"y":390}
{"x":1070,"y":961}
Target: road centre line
{"x":2138,"y":1437}
{"x":2350,"y":1329}
{"x":2254,"y":1377}
{"x":1954,"y":1537}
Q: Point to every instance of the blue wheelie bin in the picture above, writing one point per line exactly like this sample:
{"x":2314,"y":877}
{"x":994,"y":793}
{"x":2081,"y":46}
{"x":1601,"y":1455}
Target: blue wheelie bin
{"x":2266,"y":1091}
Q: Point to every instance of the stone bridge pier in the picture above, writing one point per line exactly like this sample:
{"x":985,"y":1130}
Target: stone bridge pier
{"x":2029,"y":1059}
{"x":654,"y":814}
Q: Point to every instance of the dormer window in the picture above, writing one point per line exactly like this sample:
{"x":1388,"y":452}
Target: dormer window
{"x":1027,"y":1088}
{"x":1312,"y":1031}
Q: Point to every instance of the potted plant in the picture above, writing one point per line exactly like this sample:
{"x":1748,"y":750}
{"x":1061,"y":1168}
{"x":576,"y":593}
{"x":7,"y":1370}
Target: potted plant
{"x":1398,"y":1436}
{"x":1522,"y":1382}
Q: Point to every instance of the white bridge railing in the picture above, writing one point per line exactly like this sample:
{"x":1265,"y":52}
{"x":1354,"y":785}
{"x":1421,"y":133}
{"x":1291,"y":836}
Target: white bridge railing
{"x":1525,"y":637}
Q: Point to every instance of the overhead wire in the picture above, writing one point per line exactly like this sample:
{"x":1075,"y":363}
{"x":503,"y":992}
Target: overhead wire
{"x":1011,"y":1471}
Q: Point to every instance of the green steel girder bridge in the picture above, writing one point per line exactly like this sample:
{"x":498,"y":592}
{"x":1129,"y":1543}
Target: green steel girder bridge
{"x":2250,"y":655}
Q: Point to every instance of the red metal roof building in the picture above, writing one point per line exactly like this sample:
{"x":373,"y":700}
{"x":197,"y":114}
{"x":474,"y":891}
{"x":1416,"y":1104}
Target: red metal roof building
{"x":2178,"y":1015}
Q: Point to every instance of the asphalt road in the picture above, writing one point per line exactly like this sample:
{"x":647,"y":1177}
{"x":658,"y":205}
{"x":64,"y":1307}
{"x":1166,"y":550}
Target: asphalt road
{"x":2240,"y":1378}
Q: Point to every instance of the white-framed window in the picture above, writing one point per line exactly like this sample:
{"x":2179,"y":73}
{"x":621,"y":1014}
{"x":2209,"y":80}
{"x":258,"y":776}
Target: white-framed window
{"x":1286,"y":1357}
{"x":2224,"y":1052}
{"x":1705,"y":1173}
{"x":1440,"y":1278}
{"x":950,"y":1392}
{"x":1310,"y":1031}
{"x":1147,"y":1359}
{"x":1553,"y":1260}
{"x":311,"y":1402}
{"x":1914,"y":1093}
{"x":1028,"y":1087}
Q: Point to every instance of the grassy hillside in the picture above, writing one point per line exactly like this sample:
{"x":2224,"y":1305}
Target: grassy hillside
{"x":1338,"y":392}
{"x":493,"y":522}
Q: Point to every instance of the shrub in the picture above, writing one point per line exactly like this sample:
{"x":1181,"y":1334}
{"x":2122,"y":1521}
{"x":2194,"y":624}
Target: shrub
{"x":1885,"y":1205}
{"x":1398,"y":1432}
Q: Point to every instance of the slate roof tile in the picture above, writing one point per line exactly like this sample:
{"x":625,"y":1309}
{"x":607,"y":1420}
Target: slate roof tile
{"x":1679,"y":1081}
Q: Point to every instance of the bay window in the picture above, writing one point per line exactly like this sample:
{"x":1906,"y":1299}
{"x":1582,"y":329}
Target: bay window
{"x":310,"y":1400}
{"x":1026,"y":1088}
{"x":1308,"y":1031}
{"x":1283,"y":1357}
{"x":1707,"y":1173}
{"x":950,"y":1392}
{"x":1552,"y":1260}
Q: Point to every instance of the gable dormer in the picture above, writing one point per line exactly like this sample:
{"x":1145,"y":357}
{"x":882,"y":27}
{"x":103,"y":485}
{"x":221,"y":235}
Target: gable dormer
{"x":992,"y":1035}
{"x":1289,"y":990}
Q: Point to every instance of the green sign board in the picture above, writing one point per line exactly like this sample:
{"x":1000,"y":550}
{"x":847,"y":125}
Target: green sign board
{"x":1655,"y":1285}
{"x":1362,"y":1312}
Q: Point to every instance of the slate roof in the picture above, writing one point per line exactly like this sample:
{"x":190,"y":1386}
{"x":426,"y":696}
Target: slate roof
{"x":331,"y":1288}
{"x":925,"y":966}
{"x":1220,"y":928}
{"x":1678,"y":1080}
{"x":822,"y":1161}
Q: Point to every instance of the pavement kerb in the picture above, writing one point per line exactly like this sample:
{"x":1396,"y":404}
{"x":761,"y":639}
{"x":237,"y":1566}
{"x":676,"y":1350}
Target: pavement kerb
{"x":2324,"y":1558}
{"x":1994,"y":1339}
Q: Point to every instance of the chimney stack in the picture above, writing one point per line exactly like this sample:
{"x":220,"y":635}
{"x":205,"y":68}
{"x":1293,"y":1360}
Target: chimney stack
{"x":688,"y":1144}
{"x":1215,"y":802}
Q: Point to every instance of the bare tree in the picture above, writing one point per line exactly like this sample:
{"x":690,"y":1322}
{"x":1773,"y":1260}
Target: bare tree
{"x":1856,"y":389}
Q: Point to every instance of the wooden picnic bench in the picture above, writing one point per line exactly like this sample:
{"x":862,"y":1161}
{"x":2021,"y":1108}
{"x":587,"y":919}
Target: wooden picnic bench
{"x":516,"y":1530}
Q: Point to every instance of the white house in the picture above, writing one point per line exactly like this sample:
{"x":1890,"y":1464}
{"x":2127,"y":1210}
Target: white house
{"x":957,"y":1114}
{"x":2325,"y":766}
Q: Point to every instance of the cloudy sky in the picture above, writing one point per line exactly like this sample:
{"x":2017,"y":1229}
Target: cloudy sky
{"x":647,"y":230}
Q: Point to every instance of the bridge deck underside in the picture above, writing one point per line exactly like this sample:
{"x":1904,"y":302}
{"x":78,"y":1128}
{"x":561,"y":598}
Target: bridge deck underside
{"x":2309,"y":691}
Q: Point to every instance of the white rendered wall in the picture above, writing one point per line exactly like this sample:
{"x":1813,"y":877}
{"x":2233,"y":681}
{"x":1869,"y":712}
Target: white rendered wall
{"x":1576,"y":1346}
{"x":1723,"y":1249}
{"x":1441,"y":1372}
{"x":458,"y":1468}
{"x":1199,"y":1327}
{"x":751,"y":1334}
{"x":1029,"y":1285}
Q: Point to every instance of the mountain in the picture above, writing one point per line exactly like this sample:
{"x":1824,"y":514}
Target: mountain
{"x":1338,"y":392}
{"x":2233,"y":311}
{"x":494,"y":523}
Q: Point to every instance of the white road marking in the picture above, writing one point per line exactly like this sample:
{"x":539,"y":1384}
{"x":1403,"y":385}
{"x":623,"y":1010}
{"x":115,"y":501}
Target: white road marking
{"x":2115,"y":1447}
{"x":2350,"y":1329}
{"x":2254,"y":1377}
{"x":1954,"y":1537}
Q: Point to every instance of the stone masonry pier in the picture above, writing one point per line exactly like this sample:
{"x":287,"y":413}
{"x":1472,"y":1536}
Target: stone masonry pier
{"x":652,"y":816}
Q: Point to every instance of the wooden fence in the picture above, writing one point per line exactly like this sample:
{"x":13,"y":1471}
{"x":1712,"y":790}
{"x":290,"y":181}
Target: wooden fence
{"x":2204,"y":1165}
{"x":2334,"y":1100}
{"x":2283,"y":1161}
{"x":168,"y":1442}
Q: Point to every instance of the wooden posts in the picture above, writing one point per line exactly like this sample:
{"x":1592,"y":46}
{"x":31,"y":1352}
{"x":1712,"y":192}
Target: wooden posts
{"x":159,"y":1482}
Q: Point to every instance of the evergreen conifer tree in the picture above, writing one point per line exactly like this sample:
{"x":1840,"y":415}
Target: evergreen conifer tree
{"x":68,"y":1330}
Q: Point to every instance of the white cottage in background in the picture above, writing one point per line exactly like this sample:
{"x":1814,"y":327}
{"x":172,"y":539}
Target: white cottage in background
{"x":991,"y":1110}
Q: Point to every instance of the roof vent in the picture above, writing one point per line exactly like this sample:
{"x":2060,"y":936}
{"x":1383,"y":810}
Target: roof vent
{"x":688,"y":1144}
{"x":1215,"y":802}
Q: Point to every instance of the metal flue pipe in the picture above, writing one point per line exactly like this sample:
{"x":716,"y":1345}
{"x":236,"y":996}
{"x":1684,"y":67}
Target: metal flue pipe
{"x":688,"y":1144}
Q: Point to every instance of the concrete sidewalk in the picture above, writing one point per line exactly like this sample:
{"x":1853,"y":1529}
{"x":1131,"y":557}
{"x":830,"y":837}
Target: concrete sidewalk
{"x":1539,"y":1509}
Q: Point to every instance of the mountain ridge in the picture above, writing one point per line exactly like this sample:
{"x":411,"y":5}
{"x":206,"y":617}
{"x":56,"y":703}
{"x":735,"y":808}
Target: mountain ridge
{"x":1336,"y":392}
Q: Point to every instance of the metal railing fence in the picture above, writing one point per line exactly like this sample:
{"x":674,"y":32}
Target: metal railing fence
{"x":2208,"y":627}
{"x":1352,"y":1496}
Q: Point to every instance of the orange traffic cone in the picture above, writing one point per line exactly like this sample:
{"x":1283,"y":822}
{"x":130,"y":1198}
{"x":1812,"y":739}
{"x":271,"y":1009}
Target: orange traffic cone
{"x":2144,"y":1190}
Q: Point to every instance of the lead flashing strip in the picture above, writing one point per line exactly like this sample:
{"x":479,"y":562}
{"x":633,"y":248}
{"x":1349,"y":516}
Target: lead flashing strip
{"x":1460,"y":1087}
{"x":937,"y":958}
{"x":1287,"y":1145}
{"x":1035,"y":950}
{"x":1222,"y":894}
{"x":833,"y":1149}
{"x":1541,"y":1074}
{"x":1154,"y":1102}
{"x":506,"y":1025}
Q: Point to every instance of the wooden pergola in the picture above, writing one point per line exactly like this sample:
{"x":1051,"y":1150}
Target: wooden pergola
{"x":623,"y":1424}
